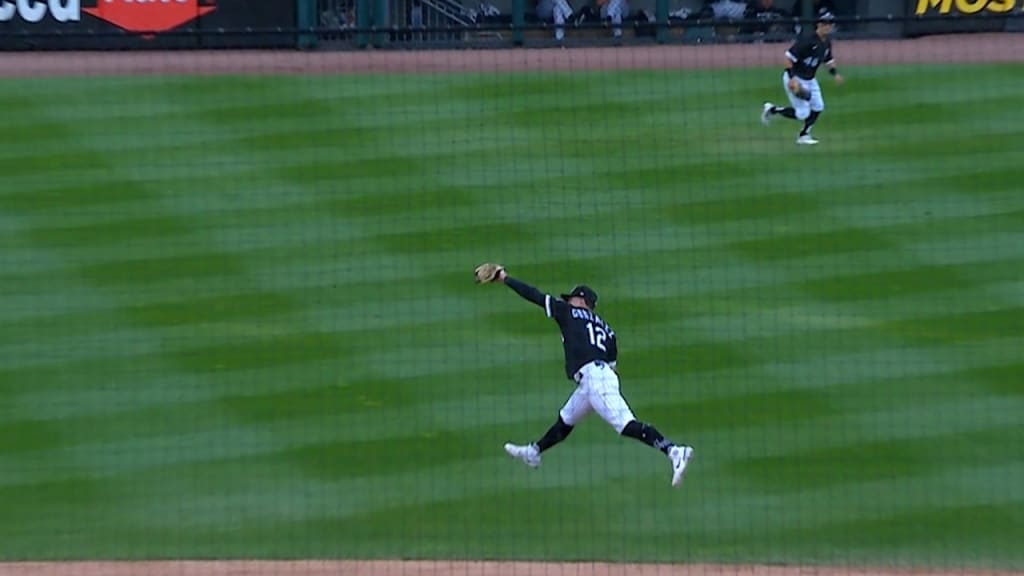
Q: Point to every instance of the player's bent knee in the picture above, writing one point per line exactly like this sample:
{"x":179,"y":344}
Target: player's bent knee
{"x":560,"y":430}
{"x":563,"y":425}
{"x":622,"y":420}
{"x":803,"y":113}
{"x":570,"y":418}
{"x":565,"y":418}
{"x":620,"y":424}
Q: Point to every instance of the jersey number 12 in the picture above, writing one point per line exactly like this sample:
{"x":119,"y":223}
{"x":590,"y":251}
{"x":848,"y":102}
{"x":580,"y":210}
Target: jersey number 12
{"x":597,"y":336}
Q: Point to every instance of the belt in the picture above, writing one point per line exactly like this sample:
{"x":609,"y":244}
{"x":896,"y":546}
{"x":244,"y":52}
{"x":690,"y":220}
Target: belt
{"x":579,"y":373}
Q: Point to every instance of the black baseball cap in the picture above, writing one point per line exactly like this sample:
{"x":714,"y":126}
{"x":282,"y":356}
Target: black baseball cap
{"x":826,"y":17}
{"x":583,"y":291}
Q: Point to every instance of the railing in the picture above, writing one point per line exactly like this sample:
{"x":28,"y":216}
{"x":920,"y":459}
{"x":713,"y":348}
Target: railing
{"x":451,"y":10}
{"x":339,"y":26}
{"x":443,"y":23}
{"x":429,"y":21}
{"x":447,"y":31}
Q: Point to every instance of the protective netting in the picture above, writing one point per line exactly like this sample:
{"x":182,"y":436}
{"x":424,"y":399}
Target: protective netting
{"x":241,"y":323}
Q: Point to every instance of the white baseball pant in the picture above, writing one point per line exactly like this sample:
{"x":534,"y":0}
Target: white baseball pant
{"x":597,"y":390}
{"x":802,"y":107}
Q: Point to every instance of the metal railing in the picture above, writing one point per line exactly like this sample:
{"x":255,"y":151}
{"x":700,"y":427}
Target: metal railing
{"x":338,"y":28}
{"x":408,"y":21}
{"x":429,"y":21}
{"x":450,"y":9}
{"x":451,"y":25}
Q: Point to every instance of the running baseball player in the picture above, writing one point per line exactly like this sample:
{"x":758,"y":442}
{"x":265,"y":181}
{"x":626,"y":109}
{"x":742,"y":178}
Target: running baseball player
{"x":802,"y":61}
{"x":591,"y":356}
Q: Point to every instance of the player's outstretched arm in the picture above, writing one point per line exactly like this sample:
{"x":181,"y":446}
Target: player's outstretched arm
{"x":523,"y":289}
{"x":490,"y":272}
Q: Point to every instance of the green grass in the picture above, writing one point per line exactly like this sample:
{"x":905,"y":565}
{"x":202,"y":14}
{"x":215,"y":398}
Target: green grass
{"x":241,"y":322}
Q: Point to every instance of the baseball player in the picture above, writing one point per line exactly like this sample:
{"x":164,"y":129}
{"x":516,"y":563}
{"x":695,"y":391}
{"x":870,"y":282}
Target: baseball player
{"x":802,"y":61}
{"x":591,"y":354}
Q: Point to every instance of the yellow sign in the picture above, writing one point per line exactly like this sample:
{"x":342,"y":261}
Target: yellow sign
{"x":965,"y":7}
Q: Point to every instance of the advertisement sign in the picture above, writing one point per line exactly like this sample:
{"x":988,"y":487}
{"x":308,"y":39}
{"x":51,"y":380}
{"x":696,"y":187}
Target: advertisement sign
{"x":964,"y":7}
{"x":151,"y":15}
{"x":141,"y":24}
{"x":960,"y":15}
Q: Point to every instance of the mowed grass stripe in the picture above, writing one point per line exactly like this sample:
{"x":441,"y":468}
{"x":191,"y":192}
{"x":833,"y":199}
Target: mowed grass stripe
{"x":269,"y":399}
{"x":421,"y":478}
{"x":595,"y":463}
{"x":679,"y":398}
{"x":472,"y":439}
{"x":833,"y":327}
{"x":268,"y":203}
{"x":773,"y":241}
{"x":266,"y":396}
{"x":294,"y":349}
{"x":816,"y":279}
{"x":546,"y":487}
{"x":907,"y":361}
{"x":53,"y":392}
{"x":57,"y":232}
{"x":713,"y":265}
{"x":904,"y":458}
{"x":693,"y":356}
{"x":165,"y":228}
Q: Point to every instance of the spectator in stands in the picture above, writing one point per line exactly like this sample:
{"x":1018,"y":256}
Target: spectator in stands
{"x":614,"y":10}
{"x":341,"y":16}
{"x":818,"y":7}
{"x":557,"y":11}
{"x":770,"y":19}
{"x":723,"y":9}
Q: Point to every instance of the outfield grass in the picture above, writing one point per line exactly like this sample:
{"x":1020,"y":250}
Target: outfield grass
{"x":240,"y":319}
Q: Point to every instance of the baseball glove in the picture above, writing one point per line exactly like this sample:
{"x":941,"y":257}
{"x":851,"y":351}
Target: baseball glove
{"x":487,"y":272}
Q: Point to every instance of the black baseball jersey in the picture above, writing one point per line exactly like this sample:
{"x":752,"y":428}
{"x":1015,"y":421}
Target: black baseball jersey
{"x":585,"y":336}
{"x":808,"y":53}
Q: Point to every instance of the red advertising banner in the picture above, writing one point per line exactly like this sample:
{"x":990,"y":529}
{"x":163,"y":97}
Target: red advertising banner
{"x":140,"y":24}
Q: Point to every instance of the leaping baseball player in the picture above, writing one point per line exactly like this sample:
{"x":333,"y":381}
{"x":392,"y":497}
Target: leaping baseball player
{"x":591,"y":356}
{"x":802,"y":61}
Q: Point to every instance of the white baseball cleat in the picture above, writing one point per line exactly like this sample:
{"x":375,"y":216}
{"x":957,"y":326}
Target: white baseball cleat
{"x":766,"y":113}
{"x":806,"y":139}
{"x":680,"y":456}
{"x":529,"y":454}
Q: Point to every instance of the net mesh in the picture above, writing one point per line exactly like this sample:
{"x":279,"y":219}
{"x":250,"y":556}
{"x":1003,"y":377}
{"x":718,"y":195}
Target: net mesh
{"x":242,"y":334}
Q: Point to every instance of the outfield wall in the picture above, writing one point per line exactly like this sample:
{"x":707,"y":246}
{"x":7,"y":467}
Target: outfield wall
{"x":344,"y":24}
{"x":123,"y":25}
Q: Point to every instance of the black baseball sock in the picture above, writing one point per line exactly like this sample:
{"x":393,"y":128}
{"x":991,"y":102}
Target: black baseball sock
{"x":788,"y":111}
{"x":809,"y":122}
{"x":559,"y":431}
{"x":648,"y":435}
